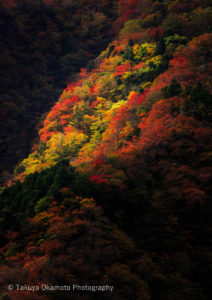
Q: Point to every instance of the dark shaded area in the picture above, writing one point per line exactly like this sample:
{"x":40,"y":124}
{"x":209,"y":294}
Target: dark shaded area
{"x":138,"y":214}
{"x":42,"y":47}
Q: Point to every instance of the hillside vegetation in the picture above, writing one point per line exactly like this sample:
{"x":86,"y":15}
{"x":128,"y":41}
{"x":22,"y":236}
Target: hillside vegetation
{"x":43,"y":44}
{"x":117,"y":189}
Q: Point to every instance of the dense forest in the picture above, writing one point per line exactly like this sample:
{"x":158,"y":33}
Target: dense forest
{"x":43,"y":44}
{"x":116,"y":188}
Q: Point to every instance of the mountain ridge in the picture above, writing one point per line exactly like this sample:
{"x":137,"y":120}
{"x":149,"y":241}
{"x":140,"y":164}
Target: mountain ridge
{"x":117,"y":189}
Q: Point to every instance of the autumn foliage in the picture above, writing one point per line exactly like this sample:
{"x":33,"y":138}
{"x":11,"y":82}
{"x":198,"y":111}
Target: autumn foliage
{"x":117,"y":188}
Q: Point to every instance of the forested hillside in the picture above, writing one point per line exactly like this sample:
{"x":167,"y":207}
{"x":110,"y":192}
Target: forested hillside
{"x":43,"y":44}
{"x":117,"y":189}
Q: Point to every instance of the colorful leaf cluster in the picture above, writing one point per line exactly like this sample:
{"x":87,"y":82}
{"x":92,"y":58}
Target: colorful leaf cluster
{"x":134,"y":133}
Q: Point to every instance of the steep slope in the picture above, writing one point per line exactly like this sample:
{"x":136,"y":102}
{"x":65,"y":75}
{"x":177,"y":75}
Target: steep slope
{"x":134,"y":134}
{"x":43,"y":44}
